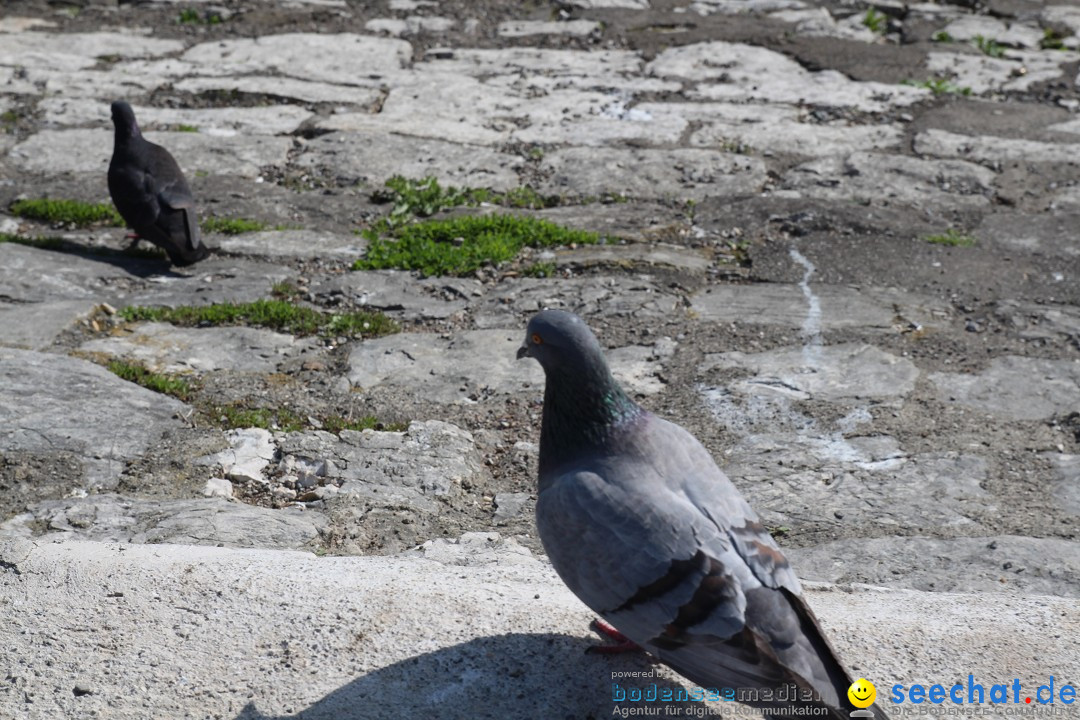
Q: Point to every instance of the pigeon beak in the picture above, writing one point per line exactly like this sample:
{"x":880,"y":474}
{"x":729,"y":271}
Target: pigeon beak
{"x":523,"y":351}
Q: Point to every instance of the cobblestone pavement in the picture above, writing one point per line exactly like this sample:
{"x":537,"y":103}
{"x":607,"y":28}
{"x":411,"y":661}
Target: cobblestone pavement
{"x":839,"y":247}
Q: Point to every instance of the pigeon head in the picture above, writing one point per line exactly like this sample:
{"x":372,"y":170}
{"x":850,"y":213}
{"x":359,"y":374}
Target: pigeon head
{"x":560,"y":340}
{"x":123,"y":118}
{"x":584,"y":407}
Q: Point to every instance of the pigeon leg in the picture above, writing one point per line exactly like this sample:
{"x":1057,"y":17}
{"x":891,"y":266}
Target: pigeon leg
{"x":134,"y":238}
{"x":622,"y":643}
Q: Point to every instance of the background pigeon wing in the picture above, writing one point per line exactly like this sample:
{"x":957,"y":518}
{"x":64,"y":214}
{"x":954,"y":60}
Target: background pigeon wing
{"x":134,"y":194}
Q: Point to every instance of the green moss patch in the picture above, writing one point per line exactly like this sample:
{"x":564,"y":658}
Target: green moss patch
{"x":280,"y":315}
{"x":952,"y":238}
{"x":163,"y":383}
{"x":236,"y":416}
{"x":231,"y":226}
{"x":70,"y":212}
{"x":939,"y":86}
{"x":423,"y":198}
{"x":458,"y":246}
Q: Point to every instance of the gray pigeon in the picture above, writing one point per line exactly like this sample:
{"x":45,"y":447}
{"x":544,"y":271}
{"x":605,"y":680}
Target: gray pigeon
{"x":643,"y":526}
{"x":151,"y":193}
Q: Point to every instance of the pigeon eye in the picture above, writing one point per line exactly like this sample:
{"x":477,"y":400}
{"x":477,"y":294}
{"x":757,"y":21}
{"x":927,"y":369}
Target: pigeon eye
{"x":537,"y":340}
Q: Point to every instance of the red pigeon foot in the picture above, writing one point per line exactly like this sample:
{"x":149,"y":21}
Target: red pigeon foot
{"x":622,"y":643}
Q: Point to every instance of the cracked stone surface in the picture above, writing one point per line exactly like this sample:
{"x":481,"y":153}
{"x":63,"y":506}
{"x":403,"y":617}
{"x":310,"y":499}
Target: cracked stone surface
{"x":774,"y":182}
{"x":367,"y":462}
{"x":829,"y":373}
{"x":1016,"y":387}
{"x":169,"y":349}
{"x":53,"y":403}
{"x":114,"y":519}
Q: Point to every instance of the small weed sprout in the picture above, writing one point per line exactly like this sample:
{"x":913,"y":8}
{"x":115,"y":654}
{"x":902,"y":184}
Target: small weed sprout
{"x":876,"y":21}
{"x":952,"y":238}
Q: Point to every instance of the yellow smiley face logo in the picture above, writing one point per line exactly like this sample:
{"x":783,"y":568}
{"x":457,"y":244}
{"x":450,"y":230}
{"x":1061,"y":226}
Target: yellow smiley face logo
{"x":862,"y":693}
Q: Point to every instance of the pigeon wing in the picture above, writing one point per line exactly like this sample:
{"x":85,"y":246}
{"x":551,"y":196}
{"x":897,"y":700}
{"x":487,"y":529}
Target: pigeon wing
{"x":134,"y":193}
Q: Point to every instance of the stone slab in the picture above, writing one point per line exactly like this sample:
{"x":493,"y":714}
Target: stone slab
{"x":969,"y":27}
{"x":35,"y":326}
{"x":411,"y":25}
{"x":830,"y":373}
{"x":402,"y":636}
{"x":1018,"y":388}
{"x":816,"y":480}
{"x":443,"y":105}
{"x":890,"y":180}
{"x":214,"y":280}
{"x":283,"y":87}
{"x":166,"y":348}
{"x":220,"y":122}
{"x":52,"y":403}
{"x":332,"y":58}
{"x":398,"y":292}
{"x":514,"y":300}
{"x":738,"y":72}
{"x":249,"y":455}
{"x":88,"y":151}
{"x":34,"y":276}
{"x":525,"y":28}
{"x":867,"y":308}
{"x":992,"y":149}
{"x":1017,"y":70}
{"x":289,"y":244}
{"x":657,"y":255}
{"x":430,"y":458}
{"x":373,"y":158}
{"x":72,"y":51}
{"x":644,"y":173}
{"x":124,"y":520}
{"x":1001,"y":564}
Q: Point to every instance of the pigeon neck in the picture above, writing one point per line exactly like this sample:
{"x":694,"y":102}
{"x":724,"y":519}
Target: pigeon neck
{"x":582,"y":412}
{"x":125,"y":135}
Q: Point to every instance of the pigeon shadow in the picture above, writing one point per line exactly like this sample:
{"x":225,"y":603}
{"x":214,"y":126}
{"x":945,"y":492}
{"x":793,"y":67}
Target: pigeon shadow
{"x":141,"y":265}
{"x":511,"y":676}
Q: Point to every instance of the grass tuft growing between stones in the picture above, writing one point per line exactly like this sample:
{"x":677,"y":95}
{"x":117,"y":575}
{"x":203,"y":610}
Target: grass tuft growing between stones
{"x":876,"y":21}
{"x":458,"y":246}
{"x":191,"y":16}
{"x":232,"y":417}
{"x":163,"y":383}
{"x":231,"y":226}
{"x":539,"y":270}
{"x":1051,"y":40}
{"x":939,"y":86}
{"x":235,"y":416}
{"x":989,"y":46}
{"x":280,"y":315}
{"x":423,"y":198}
{"x":71,"y":212}
{"x":952,"y":238}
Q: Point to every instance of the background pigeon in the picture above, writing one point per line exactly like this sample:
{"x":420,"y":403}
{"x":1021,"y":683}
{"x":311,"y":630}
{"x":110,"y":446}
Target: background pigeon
{"x":643,"y":526}
{"x":150,"y":191}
